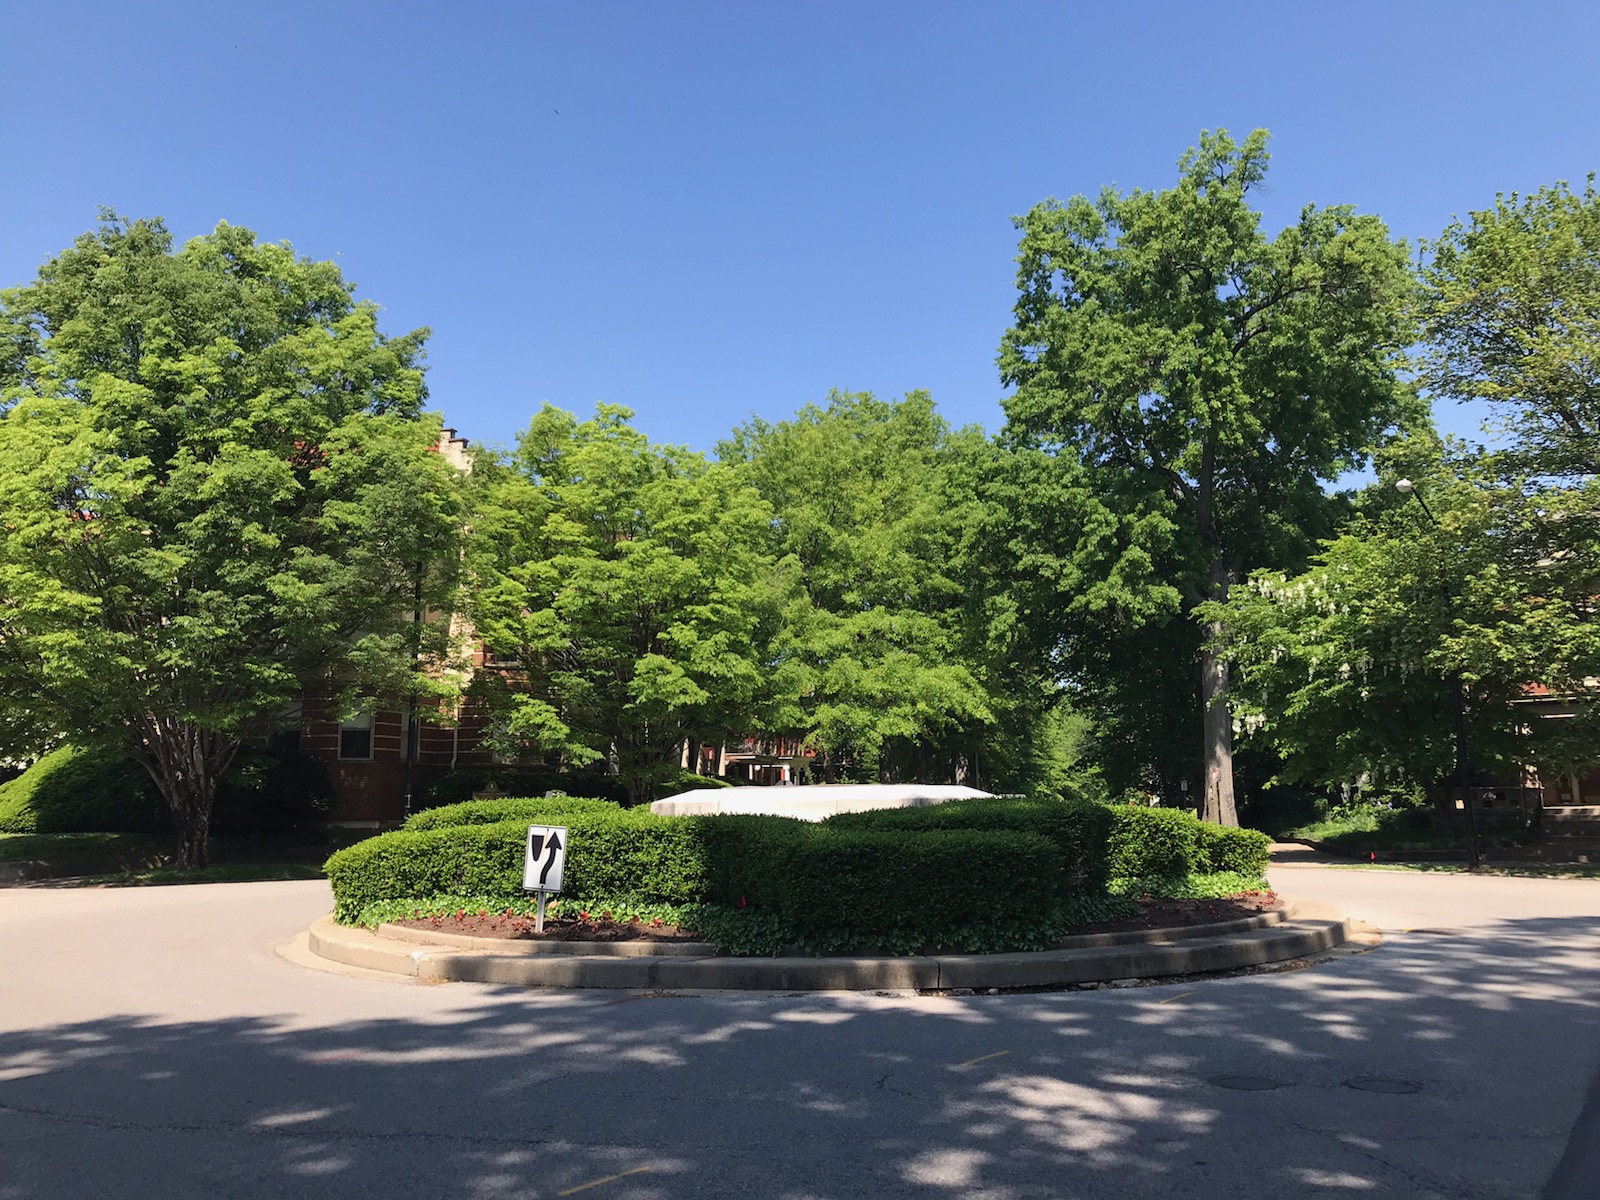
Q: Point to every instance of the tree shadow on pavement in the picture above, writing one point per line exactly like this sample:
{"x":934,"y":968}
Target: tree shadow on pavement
{"x":1440,"y":1065}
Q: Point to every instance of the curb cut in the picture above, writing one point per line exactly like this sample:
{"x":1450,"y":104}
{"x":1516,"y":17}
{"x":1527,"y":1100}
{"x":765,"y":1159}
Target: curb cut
{"x":1307,"y":930}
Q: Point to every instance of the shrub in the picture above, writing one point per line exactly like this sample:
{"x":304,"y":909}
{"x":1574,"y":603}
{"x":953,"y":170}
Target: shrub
{"x":952,"y":888}
{"x":968,"y":875}
{"x":458,"y":785}
{"x":1077,"y":829}
{"x":533,"y":810}
{"x":1239,"y":851}
{"x":1152,"y":842}
{"x":611,"y":852}
{"x":82,"y":791}
{"x":830,"y":888}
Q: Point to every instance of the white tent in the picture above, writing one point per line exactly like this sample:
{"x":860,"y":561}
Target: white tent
{"x":812,"y":802}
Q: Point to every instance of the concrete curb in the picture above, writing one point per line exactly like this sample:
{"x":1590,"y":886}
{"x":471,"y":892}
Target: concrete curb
{"x":1308,"y":929}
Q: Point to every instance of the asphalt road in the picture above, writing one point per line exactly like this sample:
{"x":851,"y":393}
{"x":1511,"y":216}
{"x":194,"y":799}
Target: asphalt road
{"x":155,"y":1043}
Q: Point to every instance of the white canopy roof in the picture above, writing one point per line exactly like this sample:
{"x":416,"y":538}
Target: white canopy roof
{"x":812,"y":802}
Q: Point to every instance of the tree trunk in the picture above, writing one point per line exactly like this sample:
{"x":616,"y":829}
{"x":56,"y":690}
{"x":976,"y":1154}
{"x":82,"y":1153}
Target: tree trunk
{"x":187,"y":763}
{"x":1218,"y":806}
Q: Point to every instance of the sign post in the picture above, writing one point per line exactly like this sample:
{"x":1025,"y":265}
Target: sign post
{"x":543,"y":864}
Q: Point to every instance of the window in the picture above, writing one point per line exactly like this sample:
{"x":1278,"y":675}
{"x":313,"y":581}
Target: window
{"x":355,"y":737}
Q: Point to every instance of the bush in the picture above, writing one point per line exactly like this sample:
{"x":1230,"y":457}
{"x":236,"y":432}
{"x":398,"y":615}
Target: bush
{"x":267,"y":793}
{"x":948,"y":888}
{"x":82,"y":791}
{"x":1152,"y":842}
{"x":1221,"y":850}
{"x":1077,"y":829}
{"x":458,"y":785}
{"x":612,"y":852}
{"x":967,"y":875}
{"x":533,"y":810}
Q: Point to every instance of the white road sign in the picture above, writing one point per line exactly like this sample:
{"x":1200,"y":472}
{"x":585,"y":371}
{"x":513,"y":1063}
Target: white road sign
{"x":547,"y":855}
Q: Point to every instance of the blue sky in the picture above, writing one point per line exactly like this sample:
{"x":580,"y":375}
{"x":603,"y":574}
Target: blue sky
{"x":709,"y":210}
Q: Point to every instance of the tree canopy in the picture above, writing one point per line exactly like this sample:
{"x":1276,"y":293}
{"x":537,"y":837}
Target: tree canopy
{"x":873,"y":501}
{"x":1201,"y":382}
{"x":216,"y":491}
{"x":627,"y":597}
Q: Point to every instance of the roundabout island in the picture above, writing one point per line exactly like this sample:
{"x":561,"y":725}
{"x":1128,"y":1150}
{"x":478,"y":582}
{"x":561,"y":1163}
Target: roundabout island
{"x":862,"y":893}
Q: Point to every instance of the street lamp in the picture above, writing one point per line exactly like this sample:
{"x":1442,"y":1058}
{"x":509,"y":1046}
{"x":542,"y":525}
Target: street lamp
{"x":1463,"y":771}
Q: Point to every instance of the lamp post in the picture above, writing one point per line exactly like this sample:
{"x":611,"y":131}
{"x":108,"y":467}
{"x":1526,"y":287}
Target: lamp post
{"x":1463,"y":768}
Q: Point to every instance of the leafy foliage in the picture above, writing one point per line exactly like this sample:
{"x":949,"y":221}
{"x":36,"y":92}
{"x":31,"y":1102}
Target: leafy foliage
{"x":542,"y":810}
{"x":962,"y":876}
{"x":217,"y":490}
{"x":71,"y":790}
{"x":1196,"y":383}
{"x":875,"y":503}
{"x":627,"y":597}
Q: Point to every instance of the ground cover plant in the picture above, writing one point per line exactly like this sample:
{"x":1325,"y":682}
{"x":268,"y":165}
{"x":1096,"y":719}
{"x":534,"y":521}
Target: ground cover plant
{"x":965,"y":876}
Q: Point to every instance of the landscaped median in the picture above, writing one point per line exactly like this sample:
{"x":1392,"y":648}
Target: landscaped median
{"x":968,"y":893}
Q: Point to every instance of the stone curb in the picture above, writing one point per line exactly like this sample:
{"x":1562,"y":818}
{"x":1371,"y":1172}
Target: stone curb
{"x":1309,"y":929}
{"x":465,"y":941}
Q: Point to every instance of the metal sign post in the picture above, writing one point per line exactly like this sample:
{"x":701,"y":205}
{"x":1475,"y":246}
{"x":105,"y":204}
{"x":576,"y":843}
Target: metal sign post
{"x":543,"y":864}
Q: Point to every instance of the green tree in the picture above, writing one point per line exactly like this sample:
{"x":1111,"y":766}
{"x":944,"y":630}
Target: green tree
{"x":627,"y":596}
{"x":1346,"y":666}
{"x":1204,"y":382}
{"x":216,"y":491}
{"x":871,"y":506}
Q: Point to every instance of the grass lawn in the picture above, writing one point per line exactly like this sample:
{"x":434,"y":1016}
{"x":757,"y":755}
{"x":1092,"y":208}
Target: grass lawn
{"x":61,"y":847}
{"x":140,"y":859}
{"x":236,"y":872}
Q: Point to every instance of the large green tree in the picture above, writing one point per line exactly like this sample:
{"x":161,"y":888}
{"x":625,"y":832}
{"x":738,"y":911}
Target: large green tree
{"x":1203,"y":382}
{"x":216,"y":491}
{"x":1349,"y":667}
{"x":627,"y":596}
{"x":874,"y":501}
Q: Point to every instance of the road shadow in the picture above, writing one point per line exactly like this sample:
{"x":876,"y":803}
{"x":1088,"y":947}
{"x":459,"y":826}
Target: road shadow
{"x":1424,"y":1069}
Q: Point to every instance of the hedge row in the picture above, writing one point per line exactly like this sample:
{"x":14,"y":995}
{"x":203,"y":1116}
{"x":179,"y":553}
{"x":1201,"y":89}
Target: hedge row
{"x":546,"y":810}
{"x":1095,"y":843}
{"x":968,"y":873}
{"x":833,"y":887}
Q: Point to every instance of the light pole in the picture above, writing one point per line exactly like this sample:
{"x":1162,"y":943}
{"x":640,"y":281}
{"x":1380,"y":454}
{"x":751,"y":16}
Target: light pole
{"x":1463,"y":770}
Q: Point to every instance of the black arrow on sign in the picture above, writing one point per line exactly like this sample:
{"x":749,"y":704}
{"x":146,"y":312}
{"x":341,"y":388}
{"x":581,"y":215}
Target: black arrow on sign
{"x":554,"y":844}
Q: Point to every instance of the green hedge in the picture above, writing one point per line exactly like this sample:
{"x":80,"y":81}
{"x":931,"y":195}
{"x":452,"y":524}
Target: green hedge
{"x":1243,"y":851}
{"x":534,"y":810}
{"x":980,"y":874}
{"x":82,"y":791}
{"x":1077,"y":829}
{"x":616,"y":852}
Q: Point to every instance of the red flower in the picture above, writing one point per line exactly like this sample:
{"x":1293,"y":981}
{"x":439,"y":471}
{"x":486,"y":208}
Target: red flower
{"x":742,"y":903}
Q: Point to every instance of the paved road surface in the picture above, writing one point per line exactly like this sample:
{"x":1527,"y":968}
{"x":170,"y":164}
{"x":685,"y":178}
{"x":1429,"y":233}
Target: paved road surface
{"x":153,"y":1043}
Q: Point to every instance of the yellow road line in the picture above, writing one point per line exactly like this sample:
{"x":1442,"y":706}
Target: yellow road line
{"x":982,"y":1058}
{"x":584,"y":1187}
{"x":1179,"y":996}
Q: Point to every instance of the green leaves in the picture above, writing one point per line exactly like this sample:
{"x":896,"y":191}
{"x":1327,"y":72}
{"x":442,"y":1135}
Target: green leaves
{"x":218,"y":490}
{"x":631,"y":592}
{"x":1195,"y":383}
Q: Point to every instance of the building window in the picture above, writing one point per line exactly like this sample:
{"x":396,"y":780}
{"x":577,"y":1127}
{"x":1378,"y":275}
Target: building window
{"x":355,"y":737}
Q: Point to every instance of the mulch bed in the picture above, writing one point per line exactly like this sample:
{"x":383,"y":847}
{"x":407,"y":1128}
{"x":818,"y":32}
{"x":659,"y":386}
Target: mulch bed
{"x":1174,"y":914}
{"x":1154,"y":914}
{"x":567,"y":929}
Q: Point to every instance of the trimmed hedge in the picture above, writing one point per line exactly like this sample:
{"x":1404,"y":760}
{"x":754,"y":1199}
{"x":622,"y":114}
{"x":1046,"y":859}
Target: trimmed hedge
{"x":975,"y":874}
{"x":1244,"y":851}
{"x":1077,"y":829}
{"x":615,"y":852}
{"x":82,"y":791}
{"x":533,"y":810}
